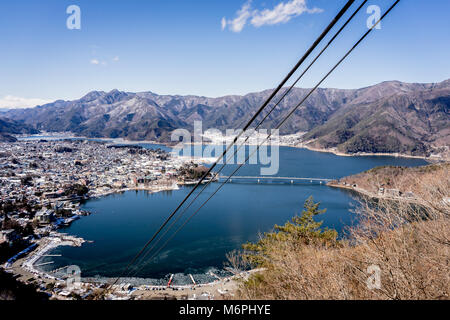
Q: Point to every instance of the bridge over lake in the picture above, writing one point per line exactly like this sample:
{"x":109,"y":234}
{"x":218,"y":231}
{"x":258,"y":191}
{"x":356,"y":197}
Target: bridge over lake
{"x":274,"y":179}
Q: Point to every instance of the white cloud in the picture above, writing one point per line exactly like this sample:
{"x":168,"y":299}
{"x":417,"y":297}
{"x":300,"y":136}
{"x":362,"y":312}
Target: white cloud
{"x":238,"y":23}
{"x":104,"y":62}
{"x":281,"y":13}
{"x":99,"y":62}
{"x":11,"y":102}
{"x":223,"y":23}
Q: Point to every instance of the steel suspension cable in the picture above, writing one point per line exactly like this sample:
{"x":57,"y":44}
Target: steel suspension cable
{"x":216,"y":174}
{"x":274,"y":93}
{"x":284,"y":120}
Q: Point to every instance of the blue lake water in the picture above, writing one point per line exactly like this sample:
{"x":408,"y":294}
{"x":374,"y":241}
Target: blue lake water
{"x":122,"y":223}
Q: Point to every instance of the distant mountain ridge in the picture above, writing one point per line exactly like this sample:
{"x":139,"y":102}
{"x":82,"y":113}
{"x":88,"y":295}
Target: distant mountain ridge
{"x":8,"y":128}
{"x":388,"y":117}
{"x":412,"y":120}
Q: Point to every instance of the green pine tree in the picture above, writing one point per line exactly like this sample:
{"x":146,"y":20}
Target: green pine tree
{"x":300,"y":231}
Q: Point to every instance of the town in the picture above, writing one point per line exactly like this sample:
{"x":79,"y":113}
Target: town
{"x":42,"y":185}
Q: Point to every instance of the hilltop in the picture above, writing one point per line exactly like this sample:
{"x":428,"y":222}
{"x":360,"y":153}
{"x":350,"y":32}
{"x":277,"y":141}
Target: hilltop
{"x":8,"y":128}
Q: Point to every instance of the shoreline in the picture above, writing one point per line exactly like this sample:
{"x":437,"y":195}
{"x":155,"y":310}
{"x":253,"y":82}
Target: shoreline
{"x":26,"y":271}
{"x":335,"y":152}
{"x":154,"y":189}
{"x":25,"y":266}
{"x":50,"y":243}
{"x":69,"y":135}
{"x":364,"y":154}
{"x":362,"y":192}
{"x":350,"y":188}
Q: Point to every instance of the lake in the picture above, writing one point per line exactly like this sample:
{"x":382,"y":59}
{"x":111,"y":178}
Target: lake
{"x":122,"y":223}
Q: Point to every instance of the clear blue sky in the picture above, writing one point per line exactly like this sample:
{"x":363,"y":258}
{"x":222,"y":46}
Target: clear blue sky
{"x":180,"y":47}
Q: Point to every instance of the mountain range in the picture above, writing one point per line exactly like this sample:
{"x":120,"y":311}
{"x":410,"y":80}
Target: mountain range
{"x":408,"y":118}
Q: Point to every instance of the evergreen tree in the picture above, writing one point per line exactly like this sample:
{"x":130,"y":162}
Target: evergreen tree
{"x":301,"y":230}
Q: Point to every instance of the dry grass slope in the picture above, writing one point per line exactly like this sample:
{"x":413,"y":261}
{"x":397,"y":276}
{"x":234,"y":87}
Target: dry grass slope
{"x":409,"y":245}
{"x":401,"y":178}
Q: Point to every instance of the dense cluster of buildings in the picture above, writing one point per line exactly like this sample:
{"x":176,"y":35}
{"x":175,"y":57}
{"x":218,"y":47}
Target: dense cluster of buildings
{"x":41,"y":182}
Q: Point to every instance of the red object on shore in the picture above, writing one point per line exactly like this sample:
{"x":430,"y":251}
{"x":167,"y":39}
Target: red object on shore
{"x":170,"y":280}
